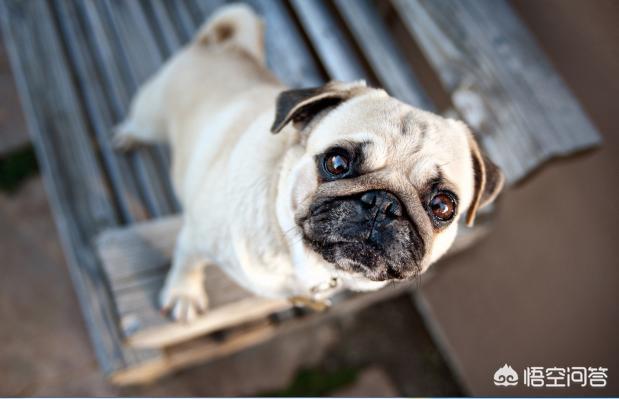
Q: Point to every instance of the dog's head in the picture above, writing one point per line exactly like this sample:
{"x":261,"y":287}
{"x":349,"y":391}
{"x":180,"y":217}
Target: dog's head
{"x":379,"y":186}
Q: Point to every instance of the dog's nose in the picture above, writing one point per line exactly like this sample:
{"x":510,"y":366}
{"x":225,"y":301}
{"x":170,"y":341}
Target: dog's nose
{"x":386,"y":202}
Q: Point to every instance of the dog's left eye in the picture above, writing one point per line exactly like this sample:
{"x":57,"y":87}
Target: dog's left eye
{"x":442,"y":206}
{"x":336,"y":163}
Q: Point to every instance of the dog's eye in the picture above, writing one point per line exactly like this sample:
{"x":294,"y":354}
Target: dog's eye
{"x":442,"y":206}
{"x":337,"y":164}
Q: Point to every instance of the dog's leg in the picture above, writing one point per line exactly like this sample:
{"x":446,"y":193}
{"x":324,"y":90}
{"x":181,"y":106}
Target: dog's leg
{"x":183,"y":295}
{"x":145,"y":123}
{"x":235,"y":24}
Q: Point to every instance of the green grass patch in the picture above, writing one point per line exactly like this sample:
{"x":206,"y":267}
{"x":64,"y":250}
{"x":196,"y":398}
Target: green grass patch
{"x":16,"y":168}
{"x":317,"y":382}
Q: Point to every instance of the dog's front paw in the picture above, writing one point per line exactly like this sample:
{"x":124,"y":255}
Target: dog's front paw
{"x":184,"y":300}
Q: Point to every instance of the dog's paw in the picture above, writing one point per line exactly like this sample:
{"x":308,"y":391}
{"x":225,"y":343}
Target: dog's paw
{"x":124,"y":143}
{"x":124,"y":140}
{"x":183,"y":301}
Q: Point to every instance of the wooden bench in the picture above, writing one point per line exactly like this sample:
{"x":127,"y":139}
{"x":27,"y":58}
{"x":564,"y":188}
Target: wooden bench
{"x":78,"y":62}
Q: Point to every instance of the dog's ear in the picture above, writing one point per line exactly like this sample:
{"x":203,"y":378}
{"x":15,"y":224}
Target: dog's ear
{"x":488,"y":180}
{"x":301,"y":105}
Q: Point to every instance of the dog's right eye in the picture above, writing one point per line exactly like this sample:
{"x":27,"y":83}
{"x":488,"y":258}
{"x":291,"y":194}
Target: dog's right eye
{"x":336,"y":164}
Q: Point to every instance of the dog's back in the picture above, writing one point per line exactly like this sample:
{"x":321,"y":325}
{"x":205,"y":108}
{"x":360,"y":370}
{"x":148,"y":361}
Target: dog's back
{"x":205,"y":96}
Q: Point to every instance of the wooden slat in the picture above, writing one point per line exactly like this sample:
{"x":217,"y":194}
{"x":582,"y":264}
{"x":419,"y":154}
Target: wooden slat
{"x":118,"y":83}
{"x":134,"y":42}
{"x":287,"y":54}
{"x":245,"y":336}
{"x":206,"y":7}
{"x":231,"y":315}
{"x":500,"y":81}
{"x":195,"y":352}
{"x":180,"y":14}
{"x":335,"y":51}
{"x":297,"y":68}
{"x":146,"y":246}
{"x":73,"y":178}
{"x":162,"y":26}
{"x":382,"y":53}
{"x":99,"y":114}
{"x":136,"y":260}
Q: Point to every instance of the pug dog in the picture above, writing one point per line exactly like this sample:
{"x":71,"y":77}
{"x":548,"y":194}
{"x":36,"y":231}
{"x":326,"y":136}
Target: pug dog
{"x":299,"y":192}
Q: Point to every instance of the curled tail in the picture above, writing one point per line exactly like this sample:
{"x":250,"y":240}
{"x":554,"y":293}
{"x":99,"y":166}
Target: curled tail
{"x":237,"y":24}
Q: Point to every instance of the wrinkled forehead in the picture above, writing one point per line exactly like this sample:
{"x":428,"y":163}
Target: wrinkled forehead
{"x":361,"y":118}
{"x":421,"y":144}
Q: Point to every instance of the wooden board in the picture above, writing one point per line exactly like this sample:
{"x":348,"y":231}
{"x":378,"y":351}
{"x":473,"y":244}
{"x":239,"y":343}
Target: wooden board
{"x":244,"y":336}
{"x":79,"y":196}
{"x":382,"y":53}
{"x":136,"y":260}
{"x":500,"y":81}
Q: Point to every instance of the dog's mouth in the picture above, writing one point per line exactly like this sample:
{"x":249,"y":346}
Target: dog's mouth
{"x":362,"y":239}
{"x":362,"y":258}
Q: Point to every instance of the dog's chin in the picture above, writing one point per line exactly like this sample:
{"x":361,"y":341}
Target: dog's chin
{"x":362,"y":259}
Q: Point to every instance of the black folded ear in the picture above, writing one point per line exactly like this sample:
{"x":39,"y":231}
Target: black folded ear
{"x":489,"y":181}
{"x":302,"y":105}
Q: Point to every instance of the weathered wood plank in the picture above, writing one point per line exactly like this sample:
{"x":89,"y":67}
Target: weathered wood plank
{"x":140,"y":248}
{"x":118,"y":83}
{"x":207,"y":348}
{"x":206,"y":8}
{"x":136,"y":260}
{"x":335,"y":51}
{"x":287,"y":54}
{"x":194,"y":352}
{"x":500,"y":81}
{"x":247,"y":335}
{"x":382,"y":53}
{"x":124,"y":189}
{"x":162,"y":26}
{"x":73,"y":178}
{"x":180,"y":15}
{"x":231,"y":315}
{"x":244,"y":336}
{"x":133,"y":41}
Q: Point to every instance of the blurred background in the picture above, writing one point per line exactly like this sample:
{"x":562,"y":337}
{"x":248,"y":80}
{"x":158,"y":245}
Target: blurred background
{"x":539,"y":290}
